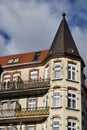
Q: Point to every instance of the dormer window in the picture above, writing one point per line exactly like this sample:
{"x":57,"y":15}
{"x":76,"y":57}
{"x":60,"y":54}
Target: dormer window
{"x":36,"y":56}
{"x":15,"y":60}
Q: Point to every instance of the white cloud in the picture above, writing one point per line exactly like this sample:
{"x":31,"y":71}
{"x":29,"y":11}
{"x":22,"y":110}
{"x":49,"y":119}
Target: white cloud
{"x":32,"y":24}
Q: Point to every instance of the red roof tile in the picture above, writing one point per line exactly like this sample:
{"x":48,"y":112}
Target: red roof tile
{"x":23,"y":58}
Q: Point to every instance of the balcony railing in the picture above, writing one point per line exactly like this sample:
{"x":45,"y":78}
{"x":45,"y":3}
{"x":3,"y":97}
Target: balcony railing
{"x":26,"y":114}
{"x":24,"y":84}
{"x":26,"y":88}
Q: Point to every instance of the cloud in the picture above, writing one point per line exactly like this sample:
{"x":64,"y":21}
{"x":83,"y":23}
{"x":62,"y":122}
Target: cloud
{"x":32,"y":24}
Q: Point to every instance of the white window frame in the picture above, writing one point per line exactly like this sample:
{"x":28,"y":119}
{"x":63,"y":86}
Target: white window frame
{"x":15,"y":80}
{"x":6,"y":82}
{"x":71,"y":123}
{"x":56,"y":99}
{"x":72,"y":72}
{"x":56,"y":124}
{"x":47,"y":72}
{"x":32,"y":103}
{"x":30,"y":126}
{"x":33,"y":75}
{"x":72,"y":100}
{"x":57,"y":70}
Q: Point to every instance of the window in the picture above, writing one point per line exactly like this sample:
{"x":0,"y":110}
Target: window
{"x":71,"y":100}
{"x":16,"y":60}
{"x":47,"y":72}
{"x":15,"y":80}
{"x":57,"y":70}
{"x":36,"y":56}
{"x":72,"y":72}
{"x":56,"y":100}
{"x":72,"y":125}
{"x":44,"y":126}
{"x":12,"y":105}
{"x":11,"y":128}
{"x":4,"y":105}
{"x":55,"y":125}
{"x":2,"y":129}
{"x":32,"y":103}
{"x":30,"y":127}
{"x":6,"y":82}
{"x":34,"y":75}
{"x":10,"y":61}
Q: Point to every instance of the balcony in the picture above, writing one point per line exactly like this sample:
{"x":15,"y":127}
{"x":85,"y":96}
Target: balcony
{"x":25,"y":116}
{"x":24,"y":89}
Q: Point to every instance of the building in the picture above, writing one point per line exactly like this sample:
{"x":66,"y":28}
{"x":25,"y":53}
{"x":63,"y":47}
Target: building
{"x":44,"y":90}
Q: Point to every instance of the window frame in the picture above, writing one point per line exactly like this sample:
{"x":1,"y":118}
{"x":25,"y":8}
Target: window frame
{"x":72,"y":74}
{"x":47,"y":72}
{"x":57,"y":70}
{"x":57,"y":125}
{"x":35,"y":76}
{"x":72,"y":100}
{"x":31,"y":126}
{"x":56,"y":97}
{"x":72,"y":122}
{"x":32,"y":105}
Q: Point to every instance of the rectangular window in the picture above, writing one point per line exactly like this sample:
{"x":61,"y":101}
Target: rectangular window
{"x":47,"y":72}
{"x":32,"y":103}
{"x":4,"y":105}
{"x":57,"y":69}
{"x":30,"y":127}
{"x":6,"y":82}
{"x":34,"y":75}
{"x":15,"y":80}
{"x":71,"y":125}
{"x":55,"y":125}
{"x":72,"y":72}
{"x":2,"y":129}
{"x":71,"y":100}
{"x":44,"y":126}
{"x":12,"y":105}
{"x":56,"y":101}
{"x":11,"y":128}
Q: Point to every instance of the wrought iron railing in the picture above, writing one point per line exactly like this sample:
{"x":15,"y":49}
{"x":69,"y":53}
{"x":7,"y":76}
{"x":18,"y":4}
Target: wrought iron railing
{"x":25,"y":84}
{"x":39,"y":111}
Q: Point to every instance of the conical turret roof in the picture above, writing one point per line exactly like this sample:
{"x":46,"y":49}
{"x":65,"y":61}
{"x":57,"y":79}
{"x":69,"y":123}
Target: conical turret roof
{"x":63,"y":42}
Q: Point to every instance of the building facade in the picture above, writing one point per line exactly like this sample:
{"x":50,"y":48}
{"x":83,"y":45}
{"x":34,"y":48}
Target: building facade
{"x":44,"y":90}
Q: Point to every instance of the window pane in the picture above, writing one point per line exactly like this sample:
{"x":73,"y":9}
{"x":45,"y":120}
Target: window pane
{"x":56,"y":99}
{"x":57,"y":70}
{"x":30,"y":127}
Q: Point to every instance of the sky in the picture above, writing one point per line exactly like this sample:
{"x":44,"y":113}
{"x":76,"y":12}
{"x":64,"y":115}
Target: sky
{"x":30,"y":25}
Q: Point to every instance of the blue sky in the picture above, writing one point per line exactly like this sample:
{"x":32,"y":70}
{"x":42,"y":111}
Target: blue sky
{"x":29,"y":25}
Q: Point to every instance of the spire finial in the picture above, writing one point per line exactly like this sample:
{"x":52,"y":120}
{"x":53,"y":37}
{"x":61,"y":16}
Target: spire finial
{"x":63,"y":14}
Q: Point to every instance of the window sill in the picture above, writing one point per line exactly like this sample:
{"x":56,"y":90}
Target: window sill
{"x":72,"y":109}
{"x":56,"y":107}
{"x":56,"y":79}
{"x":72,"y":80}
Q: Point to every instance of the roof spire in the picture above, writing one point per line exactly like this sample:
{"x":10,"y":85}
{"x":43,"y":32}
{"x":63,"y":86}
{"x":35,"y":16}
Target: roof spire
{"x":63,"y":14}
